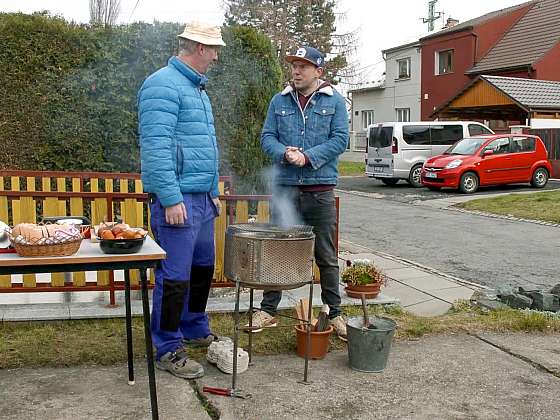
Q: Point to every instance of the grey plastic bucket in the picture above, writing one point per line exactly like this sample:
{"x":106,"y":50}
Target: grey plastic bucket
{"x":368,"y":348}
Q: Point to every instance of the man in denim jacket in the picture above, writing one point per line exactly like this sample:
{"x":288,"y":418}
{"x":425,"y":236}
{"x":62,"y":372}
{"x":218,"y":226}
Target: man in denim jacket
{"x":305,"y":131}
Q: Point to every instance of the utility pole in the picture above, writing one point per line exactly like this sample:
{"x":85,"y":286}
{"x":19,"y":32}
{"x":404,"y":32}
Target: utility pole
{"x":432,"y":15}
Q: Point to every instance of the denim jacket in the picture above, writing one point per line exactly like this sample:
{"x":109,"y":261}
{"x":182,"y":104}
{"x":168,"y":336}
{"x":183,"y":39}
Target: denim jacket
{"x":320,"y":131}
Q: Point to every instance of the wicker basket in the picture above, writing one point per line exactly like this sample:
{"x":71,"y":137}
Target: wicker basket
{"x":51,"y":250}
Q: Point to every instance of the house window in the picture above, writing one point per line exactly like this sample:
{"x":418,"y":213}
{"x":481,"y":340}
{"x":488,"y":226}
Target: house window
{"x":367,"y":118}
{"x":403,"y":114}
{"x":403,"y":67}
{"x":444,"y":62}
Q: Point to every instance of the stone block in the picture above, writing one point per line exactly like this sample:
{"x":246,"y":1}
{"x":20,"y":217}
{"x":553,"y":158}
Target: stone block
{"x":517,"y":301}
{"x":528,"y":288}
{"x":490,"y":304}
{"x":505,"y":289}
{"x":543,"y":301}
{"x":555,"y":290}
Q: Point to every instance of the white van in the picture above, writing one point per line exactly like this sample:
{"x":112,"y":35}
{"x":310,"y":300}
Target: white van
{"x":397,"y":150}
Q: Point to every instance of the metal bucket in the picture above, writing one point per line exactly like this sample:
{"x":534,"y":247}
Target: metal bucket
{"x":368,"y":348}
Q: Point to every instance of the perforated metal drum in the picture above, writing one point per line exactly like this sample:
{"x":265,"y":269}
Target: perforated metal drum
{"x":267,"y":256}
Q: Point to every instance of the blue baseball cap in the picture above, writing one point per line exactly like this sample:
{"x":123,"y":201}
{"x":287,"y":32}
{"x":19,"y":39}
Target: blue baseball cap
{"x":309,"y":54}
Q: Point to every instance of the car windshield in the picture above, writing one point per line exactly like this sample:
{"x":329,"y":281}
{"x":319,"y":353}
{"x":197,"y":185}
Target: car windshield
{"x":467,"y":146}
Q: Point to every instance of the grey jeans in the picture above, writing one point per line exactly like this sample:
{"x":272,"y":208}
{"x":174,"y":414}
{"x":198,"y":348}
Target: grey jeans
{"x":316,"y":209}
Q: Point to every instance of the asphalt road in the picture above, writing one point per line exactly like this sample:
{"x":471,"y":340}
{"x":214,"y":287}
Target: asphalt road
{"x":480,"y":249}
{"x":403,"y":192}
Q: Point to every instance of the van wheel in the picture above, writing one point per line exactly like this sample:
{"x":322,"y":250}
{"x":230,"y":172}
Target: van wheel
{"x":469,"y":183}
{"x":389,"y":181}
{"x":540,"y":178}
{"x":414,"y":177}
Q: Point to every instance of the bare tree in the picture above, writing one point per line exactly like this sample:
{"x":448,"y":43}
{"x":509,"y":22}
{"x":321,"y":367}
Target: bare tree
{"x":104,"y":12}
{"x":293,"y":23}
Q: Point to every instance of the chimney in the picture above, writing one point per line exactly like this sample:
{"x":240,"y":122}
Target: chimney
{"x":451,"y":23}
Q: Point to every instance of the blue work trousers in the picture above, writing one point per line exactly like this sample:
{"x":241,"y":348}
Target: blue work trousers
{"x":183,"y":279}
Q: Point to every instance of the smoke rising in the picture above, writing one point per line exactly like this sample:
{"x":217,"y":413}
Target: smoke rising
{"x":284,"y":210}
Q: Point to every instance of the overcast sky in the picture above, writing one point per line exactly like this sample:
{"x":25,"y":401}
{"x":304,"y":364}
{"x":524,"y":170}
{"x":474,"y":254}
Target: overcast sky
{"x":382,"y":24}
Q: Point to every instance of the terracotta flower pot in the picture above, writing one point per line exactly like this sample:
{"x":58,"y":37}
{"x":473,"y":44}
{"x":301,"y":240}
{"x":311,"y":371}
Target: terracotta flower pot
{"x":369,"y":290}
{"x":319,"y":342}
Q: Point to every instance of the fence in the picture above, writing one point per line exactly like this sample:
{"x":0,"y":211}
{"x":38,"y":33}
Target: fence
{"x":551,"y":139}
{"x":28,"y":196}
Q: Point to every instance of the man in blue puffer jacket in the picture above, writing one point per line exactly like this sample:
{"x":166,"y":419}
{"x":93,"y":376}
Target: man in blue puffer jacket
{"x":179,"y":157}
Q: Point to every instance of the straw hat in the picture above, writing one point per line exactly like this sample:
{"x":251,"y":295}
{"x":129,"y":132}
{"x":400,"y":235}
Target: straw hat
{"x":205,"y":34}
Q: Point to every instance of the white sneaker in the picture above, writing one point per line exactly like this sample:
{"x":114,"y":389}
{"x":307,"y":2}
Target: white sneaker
{"x":225,"y":360}
{"x":339,"y":325}
{"x":262,"y":319}
{"x":215,"y":347}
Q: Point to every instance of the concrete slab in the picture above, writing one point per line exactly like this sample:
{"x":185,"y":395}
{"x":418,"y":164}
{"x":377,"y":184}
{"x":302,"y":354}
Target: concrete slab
{"x":384,"y":263}
{"x":93,"y":393}
{"x":432,"y":307}
{"x":402,"y":274}
{"x":383,"y":298}
{"x":453,"y":294}
{"x":96,"y":310}
{"x":39,"y":312}
{"x":426,"y":282}
{"x":454,"y":376}
{"x":541,"y":349}
{"x":406,"y":295}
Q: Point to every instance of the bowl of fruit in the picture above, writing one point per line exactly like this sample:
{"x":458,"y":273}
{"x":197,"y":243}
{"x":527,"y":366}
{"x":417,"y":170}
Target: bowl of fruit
{"x":120,"y":238}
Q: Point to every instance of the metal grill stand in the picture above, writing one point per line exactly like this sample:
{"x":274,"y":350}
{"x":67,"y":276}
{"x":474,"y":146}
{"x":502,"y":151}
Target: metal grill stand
{"x":268,"y":257}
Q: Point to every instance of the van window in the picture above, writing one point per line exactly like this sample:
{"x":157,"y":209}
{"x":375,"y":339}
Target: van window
{"x":446,"y":134}
{"x":380,"y":137}
{"x":478,"y":130}
{"x":416,"y":134}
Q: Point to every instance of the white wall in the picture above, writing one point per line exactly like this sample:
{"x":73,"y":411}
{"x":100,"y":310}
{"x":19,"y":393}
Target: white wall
{"x":384,"y":101}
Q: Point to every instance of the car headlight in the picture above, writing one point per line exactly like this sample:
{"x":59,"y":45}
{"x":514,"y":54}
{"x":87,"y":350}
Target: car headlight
{"x":454,"y":164}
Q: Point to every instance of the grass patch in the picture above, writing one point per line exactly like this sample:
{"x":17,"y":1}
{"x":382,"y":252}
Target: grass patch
{"x":103,"y":341}
{"x":543,"y":206}
{"x":351,"y":168}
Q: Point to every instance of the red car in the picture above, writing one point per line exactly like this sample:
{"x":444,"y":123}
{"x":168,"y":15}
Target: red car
{"x":489,"y":160}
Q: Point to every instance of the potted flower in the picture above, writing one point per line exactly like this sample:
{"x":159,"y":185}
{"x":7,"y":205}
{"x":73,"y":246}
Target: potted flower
{"x":362,"y":277}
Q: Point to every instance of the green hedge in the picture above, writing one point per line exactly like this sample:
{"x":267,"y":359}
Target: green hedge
{"x":68,"y":93}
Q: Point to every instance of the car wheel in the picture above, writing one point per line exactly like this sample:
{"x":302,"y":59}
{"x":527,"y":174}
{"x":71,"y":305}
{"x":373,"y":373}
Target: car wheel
{"x":431,"y":188}
{"x":389,"y":181}
{"x":469,"y":183}
{"x":414,"y":177}
{"x":540,"y":178}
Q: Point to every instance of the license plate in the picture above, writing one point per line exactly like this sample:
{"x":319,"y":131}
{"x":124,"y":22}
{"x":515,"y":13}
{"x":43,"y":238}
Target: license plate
{"x":430,"y":175}
{"x":378,"y":169}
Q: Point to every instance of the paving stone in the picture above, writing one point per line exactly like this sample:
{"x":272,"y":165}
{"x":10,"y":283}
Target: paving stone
{"x":429,"y":282}
{"x":44,"y":312}
{"x":453,"y":294}
{"x":432,"y":307}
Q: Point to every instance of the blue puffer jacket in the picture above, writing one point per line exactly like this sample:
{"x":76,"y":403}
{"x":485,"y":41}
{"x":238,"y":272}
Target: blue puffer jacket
{"x":321,"y":131}
{"x":178,"y":148}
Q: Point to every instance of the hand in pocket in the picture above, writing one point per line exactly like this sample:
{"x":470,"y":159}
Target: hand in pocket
{"x":176,"y":214}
